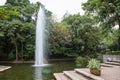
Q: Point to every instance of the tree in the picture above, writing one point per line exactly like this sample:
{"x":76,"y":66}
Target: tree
{"x":18,"y":2}
{"x":107,"y":11}
{"x":6,"y":14}
{"x":3,"y":14}
{"x":85,"y":37}
{"x":17,"y":29}
{"x":60,"y":36}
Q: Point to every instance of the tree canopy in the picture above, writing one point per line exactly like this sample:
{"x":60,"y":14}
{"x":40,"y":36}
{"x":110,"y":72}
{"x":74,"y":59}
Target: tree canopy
{"x":86,"y":35}
{"x":107,"y":12}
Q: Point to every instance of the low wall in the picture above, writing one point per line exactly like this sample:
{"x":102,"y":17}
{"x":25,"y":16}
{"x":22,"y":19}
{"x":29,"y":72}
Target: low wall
{"x":112,"y":57}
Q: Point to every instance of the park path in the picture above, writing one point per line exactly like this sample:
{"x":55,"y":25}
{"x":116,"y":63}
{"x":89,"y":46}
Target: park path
{"x":108,"y":72}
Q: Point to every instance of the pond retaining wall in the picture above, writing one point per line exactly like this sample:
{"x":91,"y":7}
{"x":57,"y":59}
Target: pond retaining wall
{"x":112,"y":57}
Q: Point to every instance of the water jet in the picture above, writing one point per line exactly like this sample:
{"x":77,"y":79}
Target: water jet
{"x":40,"y":60}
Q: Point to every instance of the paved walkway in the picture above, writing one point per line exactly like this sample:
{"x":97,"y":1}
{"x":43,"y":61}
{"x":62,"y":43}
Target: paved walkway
{"x":3,"y":68}
{"x":108,"y":72}
{"x":111,"y":73}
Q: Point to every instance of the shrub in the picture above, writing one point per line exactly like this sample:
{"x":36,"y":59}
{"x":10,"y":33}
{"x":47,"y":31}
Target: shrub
{"x":100,"y":57}
{"x":113,"y":52}
{"x":94,"y":64}
{"x":81,"y":62}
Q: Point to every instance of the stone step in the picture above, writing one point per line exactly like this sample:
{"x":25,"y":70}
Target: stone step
{"x":3,"y":68}
{"x":75,"y":76}
{"x":113,"y":63}
{"x":89,"y":75}
{"x":117,"y":61}
{"x":60,"y":76}
{"x":106,"y":65}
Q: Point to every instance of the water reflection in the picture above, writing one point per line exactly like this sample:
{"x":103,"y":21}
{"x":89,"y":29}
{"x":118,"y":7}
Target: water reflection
{"x":42,"y":73}
{"x":38,"y":73}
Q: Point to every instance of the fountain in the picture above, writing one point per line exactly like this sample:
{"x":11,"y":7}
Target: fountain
{"x":40,"y":60}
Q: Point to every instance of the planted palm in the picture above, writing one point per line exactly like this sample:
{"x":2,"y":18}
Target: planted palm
{"x":94,"y":66}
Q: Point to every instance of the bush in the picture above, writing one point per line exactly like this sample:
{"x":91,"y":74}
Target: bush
{"x":81,"y":62}
{"x":94,"y":64}
{"x":113,"y":52}
{"x":100,"y":58}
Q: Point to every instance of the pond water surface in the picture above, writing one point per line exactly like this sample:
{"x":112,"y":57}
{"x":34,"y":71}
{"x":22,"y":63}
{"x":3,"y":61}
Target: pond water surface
{"x":27,"y":72}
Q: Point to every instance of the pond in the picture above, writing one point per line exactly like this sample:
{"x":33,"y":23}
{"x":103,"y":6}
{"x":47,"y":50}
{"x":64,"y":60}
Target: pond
{"x":27,"y":72}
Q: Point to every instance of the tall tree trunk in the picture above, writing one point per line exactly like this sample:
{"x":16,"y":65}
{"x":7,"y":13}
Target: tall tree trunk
{"x":16,"y":49}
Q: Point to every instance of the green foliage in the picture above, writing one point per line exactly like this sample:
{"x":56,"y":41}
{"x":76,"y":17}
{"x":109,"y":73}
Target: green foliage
{"x":110,"y":37}
{"x":100,"y":58}
{"x":72,"y":54}
{"x":11,"y":56}
{"x":113,"y":52}
{"x":6,"y":14}
{"x":84,"y":35}
{"x":17,"y":29}
{"x":46,"y":71}
{"x":75,"y":35}
{"x":16,"y":34}
{"x":59,"y":38}
{"x":94,"y":64}
{"x":18,"y":2}
{"x":107,"y":13}
{"x":81,"y":62}
{"x":3,"y":14}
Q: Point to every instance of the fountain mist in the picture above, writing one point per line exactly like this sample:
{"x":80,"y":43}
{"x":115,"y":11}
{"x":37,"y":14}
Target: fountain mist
{"x":40,"y":36}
